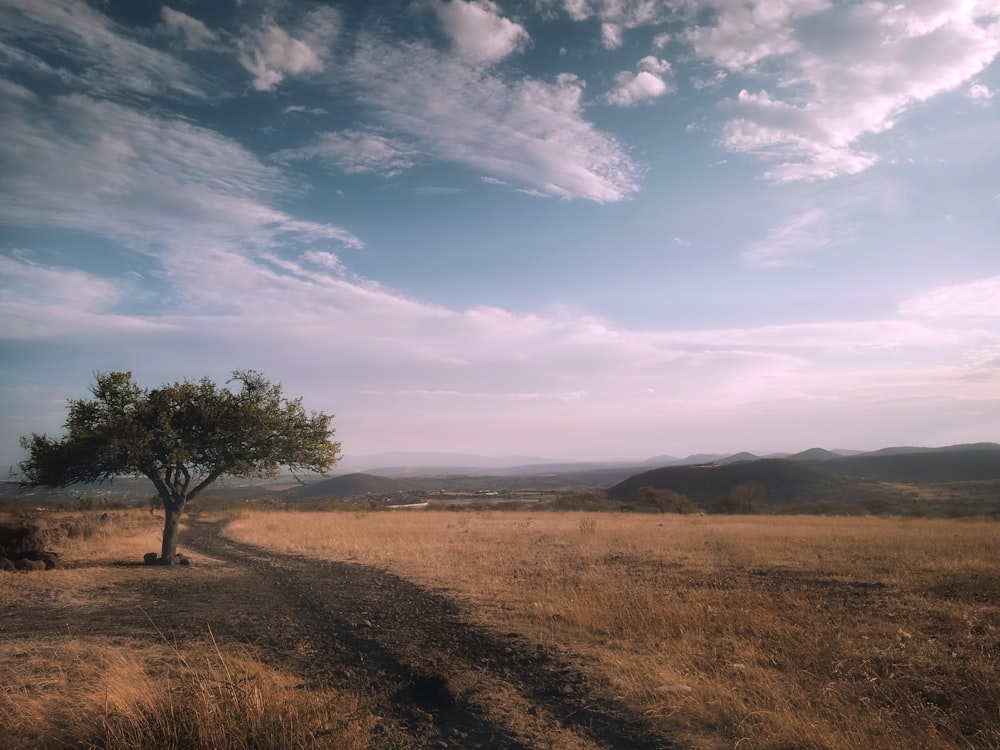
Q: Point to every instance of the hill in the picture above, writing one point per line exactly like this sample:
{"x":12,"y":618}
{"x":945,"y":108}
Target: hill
{"x":953,"y":464}
{"x":785,"y":483}
{"x":814,"y":454}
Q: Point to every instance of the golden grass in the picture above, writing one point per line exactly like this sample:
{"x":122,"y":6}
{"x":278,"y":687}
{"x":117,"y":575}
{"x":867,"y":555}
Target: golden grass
{"x":85,"y":691}
{"x":94,"y":693}
{"x":749,"y":632}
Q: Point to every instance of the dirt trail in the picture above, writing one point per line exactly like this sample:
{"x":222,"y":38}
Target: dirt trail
{"x":434,"y":679}
{"x":429,"y":673}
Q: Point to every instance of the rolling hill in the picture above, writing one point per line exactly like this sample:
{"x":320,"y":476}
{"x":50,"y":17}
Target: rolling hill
{"x":952,"y":464}
{"x":785,"y":483}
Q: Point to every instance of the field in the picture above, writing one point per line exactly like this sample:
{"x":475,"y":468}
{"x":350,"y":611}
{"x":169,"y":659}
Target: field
{"x":521,"y":629}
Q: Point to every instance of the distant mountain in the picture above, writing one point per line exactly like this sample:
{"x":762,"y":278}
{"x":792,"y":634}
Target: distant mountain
{"x":700,"y":458}
{"x":738,"y":458}
{"x":664,"y":460}
{"x":813,"y":454}
{"x":951,"y":464}
{"x":962,"y":447}
{"x":785,"y":483}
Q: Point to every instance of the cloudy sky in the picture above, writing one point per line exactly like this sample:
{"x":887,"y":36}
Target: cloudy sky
{"x":558,"y":228}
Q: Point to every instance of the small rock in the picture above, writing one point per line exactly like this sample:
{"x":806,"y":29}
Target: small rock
{"x":567,"y":689}
{"x":149,"y":558}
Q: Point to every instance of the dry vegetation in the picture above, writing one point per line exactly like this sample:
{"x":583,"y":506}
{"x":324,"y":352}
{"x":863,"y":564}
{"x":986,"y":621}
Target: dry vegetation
{"x":736,"y":632}
{"x":79,"y":690}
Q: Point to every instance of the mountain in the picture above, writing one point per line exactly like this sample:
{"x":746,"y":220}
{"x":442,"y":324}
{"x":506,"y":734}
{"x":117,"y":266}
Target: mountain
{"x":952,"y":464}
{"x":738,"y":458}
{"x":814,"y":454}
{"x":906,"y":450}
{"x":785,"y":482}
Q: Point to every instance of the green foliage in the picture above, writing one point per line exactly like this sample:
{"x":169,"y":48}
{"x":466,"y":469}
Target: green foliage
{"x":742,"y":499}
{"x":182,"y":436}
{"x":664,"y":500}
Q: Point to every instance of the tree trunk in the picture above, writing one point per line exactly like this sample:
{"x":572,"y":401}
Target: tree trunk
{"x":171,"y":527}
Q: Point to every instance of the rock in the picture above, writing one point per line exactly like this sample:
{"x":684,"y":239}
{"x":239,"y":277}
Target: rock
{"x":149,"y":558}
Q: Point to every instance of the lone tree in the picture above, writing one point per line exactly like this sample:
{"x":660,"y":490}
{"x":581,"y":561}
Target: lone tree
{"x":182,"y":436}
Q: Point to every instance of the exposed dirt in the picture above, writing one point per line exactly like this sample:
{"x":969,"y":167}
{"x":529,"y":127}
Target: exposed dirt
{"x":435,"y":679}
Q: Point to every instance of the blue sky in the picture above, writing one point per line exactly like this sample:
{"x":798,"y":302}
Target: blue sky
{"x":562,"y":228}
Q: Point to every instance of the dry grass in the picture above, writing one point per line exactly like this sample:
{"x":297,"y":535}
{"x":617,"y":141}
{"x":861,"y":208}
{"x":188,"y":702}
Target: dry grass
{"x":86,"y":691}
{"x":749,"y":632}
{"x":97,"y":694}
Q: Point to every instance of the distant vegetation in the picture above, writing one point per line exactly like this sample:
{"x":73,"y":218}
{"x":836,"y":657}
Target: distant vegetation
{"x":945,"y":482}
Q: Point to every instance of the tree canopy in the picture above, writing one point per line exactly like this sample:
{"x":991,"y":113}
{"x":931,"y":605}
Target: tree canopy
{"x":182,"y":436}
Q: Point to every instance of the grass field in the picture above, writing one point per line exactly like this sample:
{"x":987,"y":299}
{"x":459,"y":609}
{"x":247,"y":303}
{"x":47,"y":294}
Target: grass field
{"x":774,"y":633}
{"x":748,"y":632}
{"x":74,"y":685}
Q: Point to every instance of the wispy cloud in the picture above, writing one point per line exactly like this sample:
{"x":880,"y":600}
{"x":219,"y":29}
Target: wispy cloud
{"x":791,"y":242}
{"x":84,"y":47}
{"x":980,"y":298}
{"x":80,"y":163}
{"x":193,"y":32}
{"x":355,"y":152}
{"x":527,"y":131}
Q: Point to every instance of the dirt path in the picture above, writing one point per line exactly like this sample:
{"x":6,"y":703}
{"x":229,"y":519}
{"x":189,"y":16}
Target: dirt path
{"x":436,"y":680}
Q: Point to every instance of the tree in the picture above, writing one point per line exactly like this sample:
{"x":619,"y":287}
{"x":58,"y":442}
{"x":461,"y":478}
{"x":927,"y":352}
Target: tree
{"x":742,"y":499}
{"x":182,"y":437}
{"x":664,"y":500}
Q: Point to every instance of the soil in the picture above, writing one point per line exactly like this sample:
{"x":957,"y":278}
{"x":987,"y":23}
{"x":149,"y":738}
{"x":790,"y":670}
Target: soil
{"x":421,"y":665}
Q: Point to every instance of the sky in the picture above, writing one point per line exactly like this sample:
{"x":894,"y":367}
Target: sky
{"x":570,"y":229}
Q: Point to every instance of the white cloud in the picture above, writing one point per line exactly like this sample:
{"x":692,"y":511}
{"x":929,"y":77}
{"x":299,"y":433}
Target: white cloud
{"x":846,"y":71}
{"x":302,"y":109}
{"x":88,"y":51}
{"x":325,"y":260}
{"x":73,"y":162}
{"x":37,"y":301}
{"x":644,"y":85}
{"x":617,"y":15}
{"x":356,"y":152}
{"x":979,"y":93}
{"x":611,"y":35}
{"x":979,"y":298}
{"x":194,"y":33}
{"x":743,"y":34}
{"x":271,"y":54}
{"x":790,"y":242}
{"x":528,"y":131}
{"x":478,"y":31}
